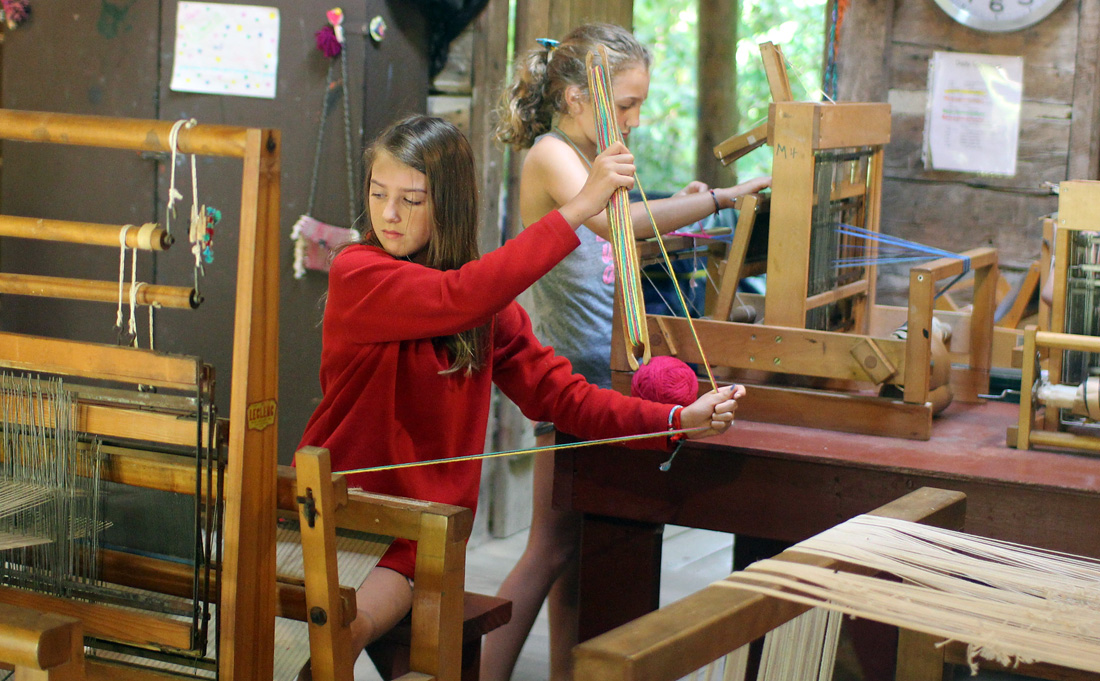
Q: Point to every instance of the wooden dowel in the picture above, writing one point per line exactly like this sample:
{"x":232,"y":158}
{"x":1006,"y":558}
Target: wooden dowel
{"x":147,"y":237}
{"x":97,"y":291}
{"x":121,"y":133}
{"x":1067,"y":341}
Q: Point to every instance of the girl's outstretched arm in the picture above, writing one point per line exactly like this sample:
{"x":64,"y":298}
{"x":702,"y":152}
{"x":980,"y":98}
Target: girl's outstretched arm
{"x":553,"y":174}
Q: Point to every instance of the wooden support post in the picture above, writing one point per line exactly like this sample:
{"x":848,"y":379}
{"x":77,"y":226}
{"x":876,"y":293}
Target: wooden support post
{"x":248,"y":567}
{"x":438,"y":600}
{"x":981,"y":331}
{"x":918,"y":353}
{"x":329,"y":638}
{"x":1027,"y":395}
{"x":717,"y":86}
{"x":789,"y":236}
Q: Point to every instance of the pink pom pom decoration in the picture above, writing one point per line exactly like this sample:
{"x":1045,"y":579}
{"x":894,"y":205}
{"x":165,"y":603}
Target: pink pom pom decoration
{"x":328,"y":43}
{"x":665,"y":379}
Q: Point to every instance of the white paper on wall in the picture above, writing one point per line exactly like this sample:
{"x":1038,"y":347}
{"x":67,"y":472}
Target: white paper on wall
{"x":226,"y":49}
{"x":973,"y":119}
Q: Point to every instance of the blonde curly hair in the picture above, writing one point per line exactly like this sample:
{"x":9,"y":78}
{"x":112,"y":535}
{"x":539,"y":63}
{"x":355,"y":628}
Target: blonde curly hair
{"x":537,"y":92}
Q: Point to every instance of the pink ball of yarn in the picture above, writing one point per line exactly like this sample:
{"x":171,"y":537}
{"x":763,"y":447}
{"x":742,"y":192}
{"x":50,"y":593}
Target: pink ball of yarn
{"x":665,"y":379}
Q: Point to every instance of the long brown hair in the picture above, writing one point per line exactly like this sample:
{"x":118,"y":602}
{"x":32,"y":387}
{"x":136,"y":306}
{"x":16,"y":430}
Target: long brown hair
{"x":537,"y":93}
{"x":440,"y":151}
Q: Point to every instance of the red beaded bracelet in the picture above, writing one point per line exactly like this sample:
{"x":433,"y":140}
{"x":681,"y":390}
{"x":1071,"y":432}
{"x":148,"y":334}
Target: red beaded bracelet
{"x":674,"y":423}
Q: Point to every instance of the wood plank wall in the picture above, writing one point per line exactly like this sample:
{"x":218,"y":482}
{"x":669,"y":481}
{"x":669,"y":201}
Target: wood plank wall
{"x":884,"y":54}
{"x":118,"y":63}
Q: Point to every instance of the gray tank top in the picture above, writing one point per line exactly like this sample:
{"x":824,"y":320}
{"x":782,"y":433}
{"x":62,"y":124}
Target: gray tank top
{"x":574,"y":303}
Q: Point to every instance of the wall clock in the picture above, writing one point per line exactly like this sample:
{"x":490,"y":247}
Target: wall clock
{"x":998,"y":15}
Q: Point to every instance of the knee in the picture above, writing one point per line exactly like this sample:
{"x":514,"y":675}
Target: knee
{"x":561,"y":553}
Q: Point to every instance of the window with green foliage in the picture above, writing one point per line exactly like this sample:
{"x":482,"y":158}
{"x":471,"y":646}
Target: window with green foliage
{"x":665,"y":143}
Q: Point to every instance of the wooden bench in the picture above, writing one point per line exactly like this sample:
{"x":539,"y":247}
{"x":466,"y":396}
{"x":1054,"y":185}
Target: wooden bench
{"x":481,"y":614}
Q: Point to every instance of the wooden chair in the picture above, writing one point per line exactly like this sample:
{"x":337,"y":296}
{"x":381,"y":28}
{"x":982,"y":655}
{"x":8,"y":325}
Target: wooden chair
{"x":481,"y":614}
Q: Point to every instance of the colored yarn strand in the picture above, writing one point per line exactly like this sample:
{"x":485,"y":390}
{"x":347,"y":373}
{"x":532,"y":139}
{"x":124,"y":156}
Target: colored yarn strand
{"x":679,"y":293}
{"x":618,"y":212}
{"x":898,"y":251}
{"x":517,"y":452}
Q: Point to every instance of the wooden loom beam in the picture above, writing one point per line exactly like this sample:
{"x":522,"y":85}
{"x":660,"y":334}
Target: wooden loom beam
{"x":117,"y":422}
{"x":674,"y":641}
{"x":98,"y":619}
{"x":153,"y":238}
{"x":122,"y":133}
{"x":99,"y":361}
{"x":39,"y":641}
{"x":178,"y":297}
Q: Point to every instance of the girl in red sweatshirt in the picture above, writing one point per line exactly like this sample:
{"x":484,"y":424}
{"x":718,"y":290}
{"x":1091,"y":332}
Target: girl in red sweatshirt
{"x":418,"y":327}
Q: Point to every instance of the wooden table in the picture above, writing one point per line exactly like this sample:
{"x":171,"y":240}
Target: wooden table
{"x":787,"y":483}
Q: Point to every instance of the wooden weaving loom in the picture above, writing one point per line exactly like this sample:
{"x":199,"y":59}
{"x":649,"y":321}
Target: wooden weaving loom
{"x":164,"y":437}
{"x":1069,"y":350}
{"x":821,"y":324}
{"x":689,"y":635}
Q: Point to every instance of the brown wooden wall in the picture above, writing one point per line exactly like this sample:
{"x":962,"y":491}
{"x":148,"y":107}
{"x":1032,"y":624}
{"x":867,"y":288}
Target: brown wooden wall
{"x":885,"y":48}
{"x":114,"y":59}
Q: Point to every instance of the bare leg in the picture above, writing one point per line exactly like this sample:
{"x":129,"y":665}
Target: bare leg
{"x":551,"y":547}
{"x":381,"y":601}
{"x":563,"y":604}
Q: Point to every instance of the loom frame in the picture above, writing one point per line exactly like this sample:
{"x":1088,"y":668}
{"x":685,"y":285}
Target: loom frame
{"x":251,"y":447}
{"x":1078,"y":204}
{"x":250,"y":593}
{"x":783,"y":344}
{"x":674,"y":641}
